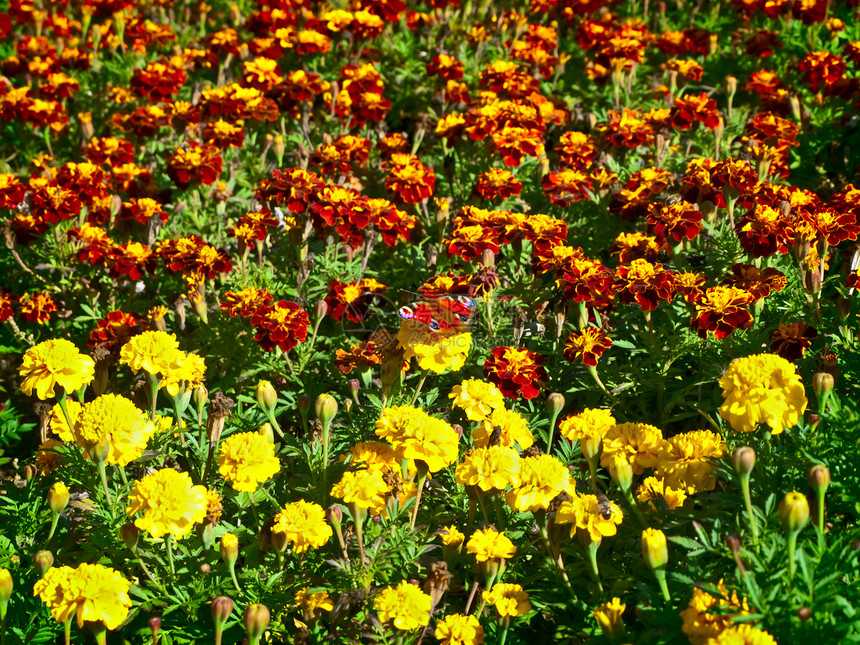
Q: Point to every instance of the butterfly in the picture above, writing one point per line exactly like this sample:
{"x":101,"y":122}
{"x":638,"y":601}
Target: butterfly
{"x":440,"y":314}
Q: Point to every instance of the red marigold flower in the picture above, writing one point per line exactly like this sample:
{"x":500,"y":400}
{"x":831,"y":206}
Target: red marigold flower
{"x":6,"y":302}
{"x":576,"y":150}
{"x":828,"y":224}
{"x":341,"y":155}
{"x":343,"y":209}
{"x":721,"y":310}
{"x":514,"y":142}
{"x":52,"y":204}
{"x":497,"y":183}
{"x":544,"y":231}
{"x":391,"y":143}
{"x":294,"y":188}
{"x":764,"y":230}
{"x":821,"y":68}
{"x":587,"y":345}
{"x":87,"y":180}
{"x":157,"y":81}
{"x":93,"y":241}
{"x":191,"y":255}
{"x":361,"y":356}
{"x":222,"y":134}
{"x":567,"y":186}
{"x":195,"y":164}
{"x":283,"y":325}
{"x":12,"y":192}
{"x":689,"y":284}
{"x":261,"y":73}
{"x":410,"y":179}
{"x":253,"y":227}
{"x":246,"y":302}
{"x":109,"y":150}
{"x":688,"y":69}
{"x":470,"y":241}
{"x":353,"y":298}
{"x":791,"y":341}
{"x":757,"y":282}
{"x":446,"y":67}
{"x":626,"y":129}
{"x":115,"y":329}
{"x":142,"y":210}
{"x":392,"y":223}
{"x":516,"y":371}
{"x":587,"y":280}
{"x":447,"y":284}
{"x":132,"y":259}
{"x":36,"y":307}
{"x":763,"y":83}
{"x":644,"y":283}
{"x":634,"y":246}
{"x":692,"y":109}
{"x":677,"y":221}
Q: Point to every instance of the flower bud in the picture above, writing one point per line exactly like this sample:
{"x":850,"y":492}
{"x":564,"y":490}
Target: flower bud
{"x":819,"y":478}
{"x":320,"y":310}
{"x":822,"y":383}
{"x":804,"y":613}
{"x":155,"y":626}
{"x":793,"y":512}
{"x":229,"y":549}
{"x":303,"y":403}
{"x":268,"y":432}
{"x":5,"y":591}
{"x":267,"y":398}
{"x":279,"y":147}
{"x":43,"y":560}
{"x":30,"y":472}
{"x":334,"y":514}
{"x":743,"y":459}
{"x":222,"y":608}
{"x":731,"y":85}
{"x":654,"y":549}
{"x":58,"y":498}
{"x":205,"y":568}
{"x":256,"y":618}
{"x":129,"y":534}
{"x":279,"y":541}
{"x":326,"y":409}
{"x":621,"y":472}
{"x":354,"y":387}
{"x":99,"y":452}
{"x":555,"y":403}
{"x":200,"y":396}
{"x":734,"y":543}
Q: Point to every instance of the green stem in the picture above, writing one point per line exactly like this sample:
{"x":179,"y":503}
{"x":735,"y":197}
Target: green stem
{"x":592,"y":474}
{"x":660,"y":574}
{"x":819,"y":494}
{"x":745,"y":487}
{"x":418,"y":389}
{"x":61,"y":401}
{"x":506,"y":623}
{"x":792,"y":546}
{"x":153,"y":394}
{"x":254,"y":510}
{"x":326,"y":440}
{"x":103,"y":476}
{"x":592,"y":559}
{"x":631,"y":501}
{"x":422,"y":479}
{"x":67,"y":630}
{"x":233,"y":574}
{"x":54,"y":520}
{"x":168,"y":542}
{"x":553,"y":418}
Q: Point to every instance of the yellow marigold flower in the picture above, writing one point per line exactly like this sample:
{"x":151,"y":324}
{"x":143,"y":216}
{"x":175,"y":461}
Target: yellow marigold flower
{"x":639,"y":442}
{"x":584,"y":512}
{"x":477,"y":398}
{"x":652,"y":489}
{"x":377,"y":456}
{"x":588,"y":427}
{"x":365,"y":489}
{"x":186,"y":370}
{"x":170,"y":502}
{"x":489,"y":544}
{"x":434,"y":352}
{"x":451,"y":536}
{"x":764,"y":388}
{"x":55,"y":362}
{"x":48,"y":458}
{"x":700,"y":624}
{"x":509,"y":599}
{"x":742,"y":634}
{"x":684,"y":460}
{"x":116,"y":419}
{"x":608,"y":616}
{"x":247,"y":459}
{"x":404,"y":606}
{"x":513,"y":429}
{"x":458,"y":629}
{"x":541,"y":479}
{"x":304,"y":525}
{"x":152,"y":351}
{"x":313,"y":604}
{"x":414,"y":434}
{"x":58,"y":423}
{"x":90,"y":593}
{"x":214,"y":508}
{"x":490,"y":468}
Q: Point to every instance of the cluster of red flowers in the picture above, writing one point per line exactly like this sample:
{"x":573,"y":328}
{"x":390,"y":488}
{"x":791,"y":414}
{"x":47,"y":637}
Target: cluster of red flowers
{"x":281,"y":324}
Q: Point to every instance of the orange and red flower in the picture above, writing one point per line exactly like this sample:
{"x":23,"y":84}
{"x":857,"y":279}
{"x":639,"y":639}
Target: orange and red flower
{"x":721,"y":310}
{"x":587,"y":345}
{"x":352,"y":299}
{"x":115,"y":329}
{"x":283,"y":324}
{"x":517,"y":372}
{"x":36,"y":307}
{"x":792,"y":340}
{"x":644,"y":283}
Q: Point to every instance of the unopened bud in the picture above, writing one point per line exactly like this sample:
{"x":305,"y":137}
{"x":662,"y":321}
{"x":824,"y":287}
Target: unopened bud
{"x":267,"y":398}
{"x":819,"y":478}
{"x":488,"y":258}
{"x":320,"y":310}
{"x":621,"y":471}
{"x":793,"y":512}
{"x":804,"y":613}
{"x":268,"y":432}
{"x":843,"y":306}
{"x":229,"y":549}
{"x":200,"y":395}
{"x":326,"y":409}
{"x":155,"y":626}
{"x":43,"y":560}
{"x":354,"y":387}
{"x":205,"y":568}
{"x":822,"y":383}
{"x":303,"y":403}
{"x":734,"y":543}
{"x":743,"y":459}
{"x":99,"y":452}
{"x":30,"y":472}
{"x":279,"y":541}
{"x":256,"y":620}
{"x":6,"y":586}
{"x":279,"y":147}
{"x":655,"y":552}
{"x":458,"y":429}
{"x":130,"y":535}
{"x":731,"y":86}
{"x":222,"y":608}
{"x":58,"y":498}
{"x":334,"y":513}
{"x":555,"y":402}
